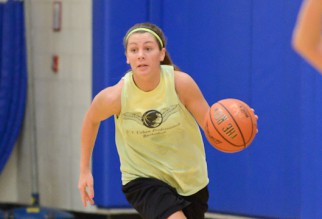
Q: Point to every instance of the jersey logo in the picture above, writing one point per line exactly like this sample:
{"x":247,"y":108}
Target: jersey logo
{"x":151,"y":118}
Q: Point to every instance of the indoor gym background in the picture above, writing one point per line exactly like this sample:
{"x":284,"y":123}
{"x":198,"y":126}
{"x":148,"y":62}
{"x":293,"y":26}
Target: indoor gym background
{"x":231,"y":48}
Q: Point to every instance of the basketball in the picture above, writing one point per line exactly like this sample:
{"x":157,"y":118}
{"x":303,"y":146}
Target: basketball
{"x":230,"y":125}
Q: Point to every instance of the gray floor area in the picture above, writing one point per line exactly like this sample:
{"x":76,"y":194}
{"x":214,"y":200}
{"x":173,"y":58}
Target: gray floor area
{"x":131,"y":214}
{"x":113,"y":214}
{"x":226,"y":216}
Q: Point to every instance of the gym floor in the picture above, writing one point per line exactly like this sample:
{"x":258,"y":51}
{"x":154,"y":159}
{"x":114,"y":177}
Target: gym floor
{"x":135,"y":216}
{"x":121,"y":214}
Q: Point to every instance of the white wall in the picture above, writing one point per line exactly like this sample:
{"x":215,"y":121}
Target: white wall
{"x":60,"y":103}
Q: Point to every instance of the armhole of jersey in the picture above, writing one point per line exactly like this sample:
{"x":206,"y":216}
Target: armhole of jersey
{"x":122,"y":95}
{"x":175,"y":90}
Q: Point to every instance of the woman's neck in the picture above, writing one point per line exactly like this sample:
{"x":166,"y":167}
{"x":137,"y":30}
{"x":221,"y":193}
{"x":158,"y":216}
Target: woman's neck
{"x":147,"y":84}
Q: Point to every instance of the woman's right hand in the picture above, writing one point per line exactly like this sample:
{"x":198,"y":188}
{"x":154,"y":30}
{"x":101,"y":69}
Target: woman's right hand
{"x":86,"y":188}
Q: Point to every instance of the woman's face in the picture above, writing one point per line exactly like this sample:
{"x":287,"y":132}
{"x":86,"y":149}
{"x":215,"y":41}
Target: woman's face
{"x":143,"y":53}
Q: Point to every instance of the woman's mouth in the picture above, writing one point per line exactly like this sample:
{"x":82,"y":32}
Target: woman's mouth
{"x":142,"y":66}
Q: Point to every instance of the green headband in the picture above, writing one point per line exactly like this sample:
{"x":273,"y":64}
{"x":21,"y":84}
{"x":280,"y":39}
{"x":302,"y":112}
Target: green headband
{"x":147,"y":30}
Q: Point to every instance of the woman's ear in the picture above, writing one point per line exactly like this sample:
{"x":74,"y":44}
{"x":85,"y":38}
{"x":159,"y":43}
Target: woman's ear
{"x":162,"y":55}
{"x":127,"y":60}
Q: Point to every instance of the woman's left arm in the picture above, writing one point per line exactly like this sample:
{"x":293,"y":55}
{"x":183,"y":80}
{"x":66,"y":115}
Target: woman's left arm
{"x":191,"y":97}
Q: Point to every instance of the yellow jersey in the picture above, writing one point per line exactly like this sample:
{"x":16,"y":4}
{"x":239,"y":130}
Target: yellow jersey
{"x":157,"y":137}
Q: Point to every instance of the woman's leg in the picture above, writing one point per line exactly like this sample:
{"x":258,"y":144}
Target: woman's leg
{"x":177,"y":215}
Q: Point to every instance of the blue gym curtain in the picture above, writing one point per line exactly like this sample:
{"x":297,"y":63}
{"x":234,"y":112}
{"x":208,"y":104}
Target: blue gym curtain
{"x":13,"y":76}
{"x":232,"y":48}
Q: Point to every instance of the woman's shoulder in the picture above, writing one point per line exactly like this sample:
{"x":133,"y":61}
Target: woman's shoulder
{"x":182,"y":79}
{"x":112,"y":92}
{"x":109,"y":99}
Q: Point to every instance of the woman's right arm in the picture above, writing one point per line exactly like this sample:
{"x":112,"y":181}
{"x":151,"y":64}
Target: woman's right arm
{"x":307,"y":38}
{"x":105,"y":104}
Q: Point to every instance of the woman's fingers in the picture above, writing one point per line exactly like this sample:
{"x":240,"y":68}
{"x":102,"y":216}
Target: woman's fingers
{"x":255,"y":117}
{"x":87,"y":193}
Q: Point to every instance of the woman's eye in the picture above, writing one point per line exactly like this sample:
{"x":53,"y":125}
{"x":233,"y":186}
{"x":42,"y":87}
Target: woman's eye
{"x":133,"y":50}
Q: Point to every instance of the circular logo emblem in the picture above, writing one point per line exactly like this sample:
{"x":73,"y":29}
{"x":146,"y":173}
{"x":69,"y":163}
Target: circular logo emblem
{"x":152,"y":119}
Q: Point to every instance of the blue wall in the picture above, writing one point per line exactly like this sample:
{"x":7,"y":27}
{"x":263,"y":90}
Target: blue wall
{"x":237,"y":49}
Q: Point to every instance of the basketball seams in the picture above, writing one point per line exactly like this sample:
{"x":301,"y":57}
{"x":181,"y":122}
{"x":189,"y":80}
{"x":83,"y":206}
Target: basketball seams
{"x":239,"y":129}
{"x":213,"y":124}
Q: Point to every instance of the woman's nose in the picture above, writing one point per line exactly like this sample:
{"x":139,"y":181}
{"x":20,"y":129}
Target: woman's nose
{"x":141,"y":54}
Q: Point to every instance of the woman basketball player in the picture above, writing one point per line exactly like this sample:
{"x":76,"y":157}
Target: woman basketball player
{"x":157,"y":109}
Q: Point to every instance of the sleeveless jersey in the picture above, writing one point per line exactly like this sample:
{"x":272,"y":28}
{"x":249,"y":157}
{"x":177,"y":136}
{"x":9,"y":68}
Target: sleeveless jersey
{"x":157,"y":137}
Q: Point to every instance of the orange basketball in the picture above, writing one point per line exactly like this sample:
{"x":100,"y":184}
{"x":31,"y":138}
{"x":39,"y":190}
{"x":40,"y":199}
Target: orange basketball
{"x":230,"y":125}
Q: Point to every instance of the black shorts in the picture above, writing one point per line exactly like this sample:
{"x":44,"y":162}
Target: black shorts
{"x":154,"y":199}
